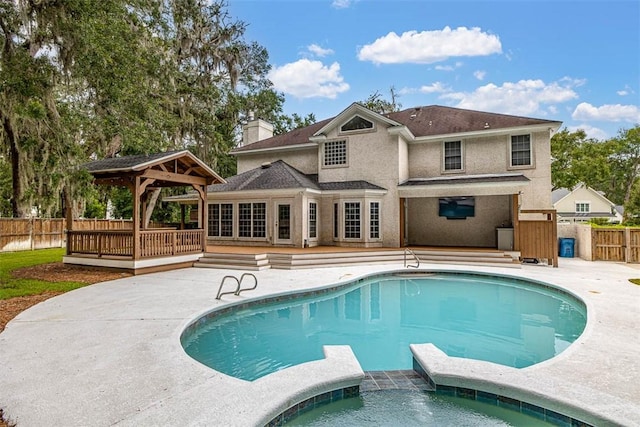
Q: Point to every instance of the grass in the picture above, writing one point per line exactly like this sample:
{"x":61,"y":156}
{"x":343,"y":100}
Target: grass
{"x":12,"y":287}
{"x":635,"y":281}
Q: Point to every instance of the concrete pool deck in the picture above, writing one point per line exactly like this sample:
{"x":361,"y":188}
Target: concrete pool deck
{"x":110,"y":353}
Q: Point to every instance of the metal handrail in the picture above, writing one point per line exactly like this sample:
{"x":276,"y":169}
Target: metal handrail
{"x":220,"y":293}
{"x":238,"y":286}
{"x":255,"y":283}
{"x":407,"y":250}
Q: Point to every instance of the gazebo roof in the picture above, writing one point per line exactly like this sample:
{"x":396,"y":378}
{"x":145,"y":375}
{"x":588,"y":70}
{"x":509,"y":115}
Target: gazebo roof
{"x":168,"y":169}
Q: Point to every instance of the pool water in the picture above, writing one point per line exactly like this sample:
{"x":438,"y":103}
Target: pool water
{"x":501,"y":320}
{"x":412,"y":408}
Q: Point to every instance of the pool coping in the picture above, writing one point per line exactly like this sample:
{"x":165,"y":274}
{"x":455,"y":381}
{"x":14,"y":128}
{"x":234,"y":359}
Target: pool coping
{"x":110,"y":354}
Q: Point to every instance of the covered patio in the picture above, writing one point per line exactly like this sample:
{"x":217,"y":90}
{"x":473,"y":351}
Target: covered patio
{"x":143,"y":248}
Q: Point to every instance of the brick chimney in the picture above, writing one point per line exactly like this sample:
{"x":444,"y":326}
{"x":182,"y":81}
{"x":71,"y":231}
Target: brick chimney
{"x":256,"y":130}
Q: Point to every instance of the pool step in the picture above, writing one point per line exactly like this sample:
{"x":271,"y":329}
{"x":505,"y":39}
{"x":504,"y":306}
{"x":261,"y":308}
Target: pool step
{"x":300,"y":260}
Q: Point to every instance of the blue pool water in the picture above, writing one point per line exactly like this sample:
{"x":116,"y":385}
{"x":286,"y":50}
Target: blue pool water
{"x":501,"y":320}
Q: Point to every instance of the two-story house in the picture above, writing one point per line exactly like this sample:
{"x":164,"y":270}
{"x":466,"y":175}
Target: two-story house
{"x":432,"y":176}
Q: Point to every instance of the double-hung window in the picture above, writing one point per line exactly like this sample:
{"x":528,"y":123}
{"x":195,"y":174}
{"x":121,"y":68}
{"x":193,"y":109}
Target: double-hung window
{"x":452,"y":155}
{"x":335,"y":153}
{"x":521,"y":150}
{"x":220,"y":220}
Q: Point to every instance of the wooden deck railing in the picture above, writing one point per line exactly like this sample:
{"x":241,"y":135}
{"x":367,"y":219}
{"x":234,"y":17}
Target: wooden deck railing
{"x":119,"y":243}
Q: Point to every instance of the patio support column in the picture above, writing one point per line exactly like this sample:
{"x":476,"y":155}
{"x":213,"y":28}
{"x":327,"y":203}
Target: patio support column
{"x":68,"y":208}
{"x":515,"y":213}
{"x":136,"y":218}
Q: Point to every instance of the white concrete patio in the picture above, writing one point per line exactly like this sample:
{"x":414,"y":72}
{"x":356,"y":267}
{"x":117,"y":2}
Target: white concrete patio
{"x":110,"y":354}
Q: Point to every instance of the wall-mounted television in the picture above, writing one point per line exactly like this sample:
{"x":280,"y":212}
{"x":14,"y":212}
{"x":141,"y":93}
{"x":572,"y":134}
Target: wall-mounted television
{"x":456,"y":207}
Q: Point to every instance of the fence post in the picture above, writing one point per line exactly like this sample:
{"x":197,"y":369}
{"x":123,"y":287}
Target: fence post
{"x":627,"y":244}
{"x":594,"y":241}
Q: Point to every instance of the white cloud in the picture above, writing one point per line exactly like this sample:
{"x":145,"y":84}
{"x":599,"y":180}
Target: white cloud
{"x":479,"y":74}
{"x":308,"y":79}
{"x":319,"y":50}
{"x":436,"y":87}
{"x":591,"y":131}
{"x":341,"y":4}
{"x":448,"y":67}
{"x":607,"y":113}
{"x":428,"y":47}
{"x":626,"y":91}
{"x":524,"y":97}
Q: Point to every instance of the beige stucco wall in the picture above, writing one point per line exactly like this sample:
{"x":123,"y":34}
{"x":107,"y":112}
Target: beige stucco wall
{"x":583,"y":194}
{"x":427,"y":228}
{"x":490,"y":155}
{"x":582,"y":234}
{"x":372,"y":157}
{"x":305,"y":160}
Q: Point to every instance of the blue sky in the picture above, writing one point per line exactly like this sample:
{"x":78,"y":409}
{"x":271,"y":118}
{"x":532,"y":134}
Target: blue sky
{"x":573,"y":61}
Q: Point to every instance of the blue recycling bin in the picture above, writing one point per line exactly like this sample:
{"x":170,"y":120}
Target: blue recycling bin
{"x":566,"y":247}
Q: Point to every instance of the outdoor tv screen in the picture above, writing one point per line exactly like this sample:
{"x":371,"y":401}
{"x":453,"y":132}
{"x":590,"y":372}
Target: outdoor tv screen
{"x":456,"y":207}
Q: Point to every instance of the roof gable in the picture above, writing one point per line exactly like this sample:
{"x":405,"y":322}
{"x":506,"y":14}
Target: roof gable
{"x":167,"y":167}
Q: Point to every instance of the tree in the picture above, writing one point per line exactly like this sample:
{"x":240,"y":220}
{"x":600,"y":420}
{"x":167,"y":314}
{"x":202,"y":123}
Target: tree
{"x":611,"y":166}
{"x":88,"y":79}
{"x":376,"y":103}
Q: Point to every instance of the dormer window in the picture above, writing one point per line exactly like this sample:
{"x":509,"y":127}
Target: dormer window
{"x":356,"y":123}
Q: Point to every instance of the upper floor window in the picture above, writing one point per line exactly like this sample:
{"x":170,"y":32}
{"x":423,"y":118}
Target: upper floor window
{"x":335,"y":153}
{"x":453,"y":155}
{"x":521,"y":150}
{"x":583,"y":207}
{"x":356,"y":123}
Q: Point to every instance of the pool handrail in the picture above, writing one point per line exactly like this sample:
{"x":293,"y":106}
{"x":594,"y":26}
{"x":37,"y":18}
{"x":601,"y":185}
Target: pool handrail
{"x":407,"y":250}
{"x":238,"y":287}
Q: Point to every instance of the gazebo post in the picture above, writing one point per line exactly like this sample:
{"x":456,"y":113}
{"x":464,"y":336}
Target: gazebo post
{"x":205,"y":218}
{"x":68,"y":208}
{"x":136,"y":218}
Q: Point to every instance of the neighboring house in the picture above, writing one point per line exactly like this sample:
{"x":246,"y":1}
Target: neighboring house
{"x":432,"y":176}
{"x":583,"y":203}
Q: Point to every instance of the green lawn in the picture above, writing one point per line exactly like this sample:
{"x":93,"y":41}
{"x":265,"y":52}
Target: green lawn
{"x":11,"y":287}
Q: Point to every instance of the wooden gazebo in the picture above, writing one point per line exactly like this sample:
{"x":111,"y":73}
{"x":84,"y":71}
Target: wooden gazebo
{"x":141,"y":248}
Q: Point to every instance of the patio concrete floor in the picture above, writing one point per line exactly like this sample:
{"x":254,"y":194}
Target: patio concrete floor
{"x":110,"y":353}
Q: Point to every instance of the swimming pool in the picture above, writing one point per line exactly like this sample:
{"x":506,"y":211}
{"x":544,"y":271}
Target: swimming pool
{"x":498,"y":319}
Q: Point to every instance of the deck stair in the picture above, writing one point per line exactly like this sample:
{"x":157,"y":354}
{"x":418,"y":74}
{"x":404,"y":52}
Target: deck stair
{"x":300,"y":259}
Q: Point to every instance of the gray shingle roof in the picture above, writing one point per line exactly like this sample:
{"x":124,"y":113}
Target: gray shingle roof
{"x":281,"y":175}
{"x":421,"y":121}
{"x":126,"y":162}
{"x":471,"y":179}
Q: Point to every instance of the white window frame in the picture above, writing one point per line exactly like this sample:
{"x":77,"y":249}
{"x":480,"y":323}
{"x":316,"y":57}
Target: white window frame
{"x":359,"y":219}
{"x":378,"y":220}
{"x":369,"y":129}
{"x":444,"y":157}
{"x":531,"y":163}
{"x":252,"y":220}
{"x":586,"y":205}
{"x":220,"y":221}
{"x":325,"y":147}
{"x":312,"y":222}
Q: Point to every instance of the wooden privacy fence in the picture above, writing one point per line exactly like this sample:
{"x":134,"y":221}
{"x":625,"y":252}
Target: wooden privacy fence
{"x":538,"y":235}
{"x":615,"y":244}
{"x":17,"y":234}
